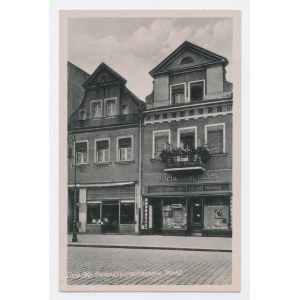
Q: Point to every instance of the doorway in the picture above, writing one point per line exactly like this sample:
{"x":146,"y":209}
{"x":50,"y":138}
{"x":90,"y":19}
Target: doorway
{"x":156,"y":216}
{"x":110,"y":217}
{"x":196,"y":215}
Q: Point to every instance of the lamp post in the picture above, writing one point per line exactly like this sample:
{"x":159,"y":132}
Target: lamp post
{"x":74,"y":237}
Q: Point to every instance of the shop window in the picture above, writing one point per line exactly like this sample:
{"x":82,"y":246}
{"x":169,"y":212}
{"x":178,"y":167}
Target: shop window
{"x":187,"y":138}
{"x":196,"y":91}
{"x":161,"y":140}
{"x":82,"y":114}
{"x":127,"y":213}
{"x":178,"y":94}
{"x":174,"y":214}
{"x":215,"y":138}
{"x":110,"y":108}
{"x":125,"y":109}
{"x":102,"y":151}
{"x":96,"y":109}
{"x":81,"y":153}
{"x":93,"y":213}
{"x":125,"y":149}
{"x":216,"y":216}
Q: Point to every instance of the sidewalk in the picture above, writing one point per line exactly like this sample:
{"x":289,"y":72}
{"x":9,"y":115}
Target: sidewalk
{"x":189,"y":243}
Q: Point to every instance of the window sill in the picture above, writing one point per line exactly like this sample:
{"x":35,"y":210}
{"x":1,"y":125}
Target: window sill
{"x":155,"y":159}
{"x":100,"y":164}
{"x":218,"y":154}
{"x":125,"y":162}
{"x":80,"y":165}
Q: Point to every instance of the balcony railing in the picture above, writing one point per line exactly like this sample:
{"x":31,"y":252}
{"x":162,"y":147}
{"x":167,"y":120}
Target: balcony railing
{"x":185,"y":160}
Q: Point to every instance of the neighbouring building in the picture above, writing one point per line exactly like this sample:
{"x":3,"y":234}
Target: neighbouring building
{"x":103,"y":156}
{"x":185,"y":190}
{"x":76,"y":78}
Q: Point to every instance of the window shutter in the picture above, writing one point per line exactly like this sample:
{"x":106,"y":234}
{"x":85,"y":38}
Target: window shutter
{"x":215,"y":139}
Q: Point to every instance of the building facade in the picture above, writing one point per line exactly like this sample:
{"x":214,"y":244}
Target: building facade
{"x":103,"y":174}
{"x":187,"y":170}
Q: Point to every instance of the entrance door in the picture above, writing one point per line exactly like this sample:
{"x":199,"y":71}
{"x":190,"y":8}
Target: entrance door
{"x":196,"y":215}
{"x":156,"y":216}
{"x":110,"y":218}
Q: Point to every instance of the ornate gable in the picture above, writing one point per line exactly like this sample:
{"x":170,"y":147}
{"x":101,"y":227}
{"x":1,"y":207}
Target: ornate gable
{"x":188,"y":56}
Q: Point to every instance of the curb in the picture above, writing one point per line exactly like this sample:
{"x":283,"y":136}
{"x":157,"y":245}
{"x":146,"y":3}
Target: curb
{"x":147,"y":247}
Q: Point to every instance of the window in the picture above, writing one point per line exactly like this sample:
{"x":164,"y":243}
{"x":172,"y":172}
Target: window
{"x":110,"y":108}
{"x":82,"y":114}
{"x":103,"y":78}
{"x":81,"y":154}
{"x":214,"y":137}
{"x":187,"y":60}
{"x":96,"y":109}
{"x":196,"y":91}
{"x":177,"y":93}
{"x":125,"y":109}
{"x":187,"y":138}
{"x":127,"y":213}
{"x":161,"y":140}
{"x":93,"y":213}
{"x":174,"y":214}
{"x":102,"y":151}
{"x":125,"y":149}
{"x":165,"y":116}
{"x":174,"y":115}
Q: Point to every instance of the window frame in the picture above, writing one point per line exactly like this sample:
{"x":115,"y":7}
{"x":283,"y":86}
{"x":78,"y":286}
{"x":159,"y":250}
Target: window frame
{"x":122,"y":109}
{"x":189,"y":89}
{"x":187,"y":128}
{"x":224,"y":132}
{"x":176,"y":84}
{"x":79,"y":112}
{"x":95,"y":151}
{"x":91,"y":107}
{"x":117,"y":148}
{"x":87,"y":153}
{"x":153,"y":140}
{"x":112,"y":99}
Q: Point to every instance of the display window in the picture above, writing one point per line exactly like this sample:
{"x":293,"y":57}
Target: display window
{"x":93,"y":214}
{"x":127,"y":213}
{"x":174,"y":214}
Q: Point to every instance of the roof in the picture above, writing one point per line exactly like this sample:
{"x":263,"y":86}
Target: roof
{"x":134,"y":98}
{"x":215,"y":58}
{"x":100,"y":68}
{"x":76,"y":67}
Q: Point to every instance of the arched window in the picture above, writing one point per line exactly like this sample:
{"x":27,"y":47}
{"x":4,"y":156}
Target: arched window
{"x":187,"y":60}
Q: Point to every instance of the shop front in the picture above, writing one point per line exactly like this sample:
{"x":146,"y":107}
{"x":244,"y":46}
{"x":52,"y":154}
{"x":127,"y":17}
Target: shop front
{"x":189,"y":207}
{"x":108,"y":210}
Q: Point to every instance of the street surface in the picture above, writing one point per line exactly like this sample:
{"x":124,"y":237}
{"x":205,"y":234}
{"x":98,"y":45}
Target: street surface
{"x":117,"y":266}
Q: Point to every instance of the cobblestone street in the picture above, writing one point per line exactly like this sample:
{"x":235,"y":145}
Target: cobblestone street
{"x":111,"y":266}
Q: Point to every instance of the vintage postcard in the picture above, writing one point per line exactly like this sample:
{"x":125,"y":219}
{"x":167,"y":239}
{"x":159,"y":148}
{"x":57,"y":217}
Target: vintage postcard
{"x":150,"y":150}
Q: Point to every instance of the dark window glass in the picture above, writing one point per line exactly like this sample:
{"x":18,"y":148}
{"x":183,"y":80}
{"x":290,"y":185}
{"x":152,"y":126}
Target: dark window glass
{"x":187,"y":60}
{"x":197,"y":91}
{"x":201,"y":111}
{"x":174,"y":115}
{"x":215,"y":139}
{"x":127,"y":213}
{"x":182,"y":113}
{"x":209,"y":110}
{"x":165,"y":116}
{"x":156,"y":117}
{"x":219,"y":109}
{"x":191,"y":112}
{"x":177,"y":94}
{"x":93,"y":213}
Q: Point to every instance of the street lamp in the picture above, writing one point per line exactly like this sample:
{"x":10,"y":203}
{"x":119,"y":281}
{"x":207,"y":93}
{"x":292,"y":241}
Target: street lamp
{"x":73,"y":142}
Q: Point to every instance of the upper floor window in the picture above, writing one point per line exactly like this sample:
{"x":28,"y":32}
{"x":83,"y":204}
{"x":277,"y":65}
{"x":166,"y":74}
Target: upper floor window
{"x":187,"y":138}
{"x":82,"y":114}
{"x":125,"y":149}
{"x":161,"y":139}
{"x":124,"y":109}
{"x":196,"y":91}
{"x":96,"y":109}
{"x":110,"y":108}
{"x":102,"y":151}
{"x":177,"y":93}
{"x":187,"y":60}
{"x":103,"y":78}
{"x":215,"y":138}
{"x":81,"y":152}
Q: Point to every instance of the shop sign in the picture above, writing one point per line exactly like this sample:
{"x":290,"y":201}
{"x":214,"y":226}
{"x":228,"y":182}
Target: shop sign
{"x":174,"y":178}
{"x":176,"y":205}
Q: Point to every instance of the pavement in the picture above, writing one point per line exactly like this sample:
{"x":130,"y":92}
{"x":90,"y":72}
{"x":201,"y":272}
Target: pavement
{"x":159,"y":242}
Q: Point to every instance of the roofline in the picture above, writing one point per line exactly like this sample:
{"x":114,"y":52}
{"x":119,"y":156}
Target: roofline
{"x":180,"y":48}
{"x":104,"y":65}
{"x":69,"y":63}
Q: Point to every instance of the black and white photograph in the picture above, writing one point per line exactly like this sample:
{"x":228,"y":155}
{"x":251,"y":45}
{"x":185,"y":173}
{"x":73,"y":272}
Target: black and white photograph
{"x":150,"y":150}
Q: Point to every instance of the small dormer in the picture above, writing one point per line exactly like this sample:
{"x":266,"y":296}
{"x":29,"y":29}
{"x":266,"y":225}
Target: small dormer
{"x":190,"y":74}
